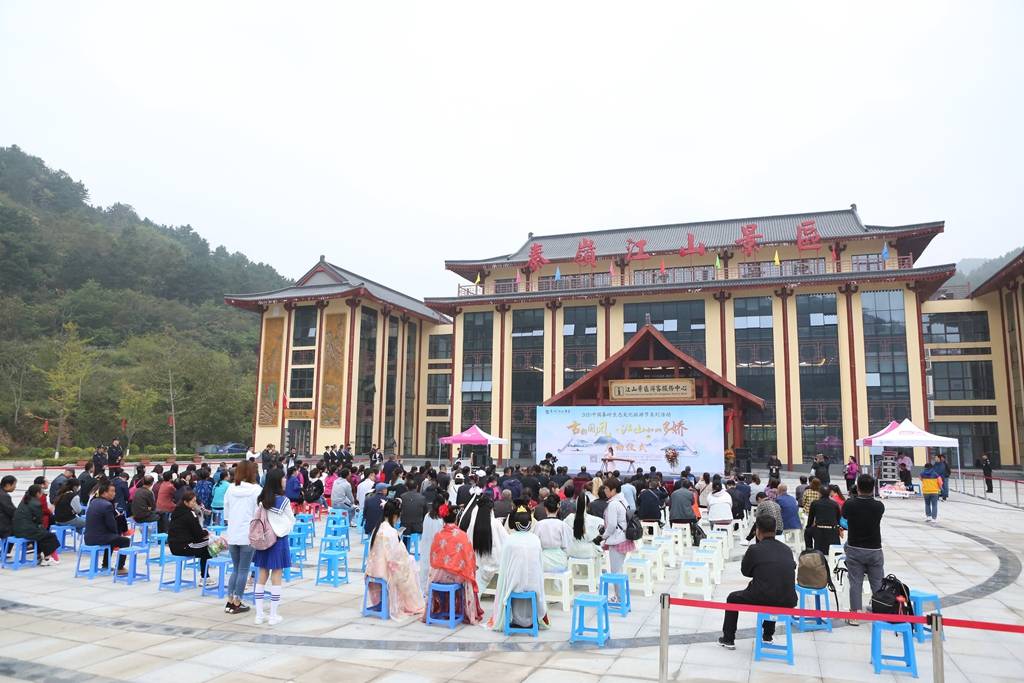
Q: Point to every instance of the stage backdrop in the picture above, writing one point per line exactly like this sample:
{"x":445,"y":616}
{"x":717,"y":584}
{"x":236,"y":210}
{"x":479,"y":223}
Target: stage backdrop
{"x":668,"y":437}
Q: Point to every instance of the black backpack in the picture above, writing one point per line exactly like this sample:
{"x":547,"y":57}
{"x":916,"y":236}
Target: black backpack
{"x":892,"y":597}
{"x":634,"y":529}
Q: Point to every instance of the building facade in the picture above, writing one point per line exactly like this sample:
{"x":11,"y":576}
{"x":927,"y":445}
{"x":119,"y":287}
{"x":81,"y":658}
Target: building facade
{"x":830,"y":321}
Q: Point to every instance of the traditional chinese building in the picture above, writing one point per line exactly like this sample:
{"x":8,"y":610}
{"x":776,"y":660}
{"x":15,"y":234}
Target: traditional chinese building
{"x":816,"y":317}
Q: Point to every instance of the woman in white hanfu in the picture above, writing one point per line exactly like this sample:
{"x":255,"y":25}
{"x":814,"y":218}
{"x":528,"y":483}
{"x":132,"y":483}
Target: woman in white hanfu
{"x":488,"y":536}
{"x":522,"y":571}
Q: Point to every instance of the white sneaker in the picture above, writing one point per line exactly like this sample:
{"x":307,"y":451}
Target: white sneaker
{"x":46,"y":562}
{"x":258,"y":620}
{"x":275,"y":620}
{"x":54,"y":560}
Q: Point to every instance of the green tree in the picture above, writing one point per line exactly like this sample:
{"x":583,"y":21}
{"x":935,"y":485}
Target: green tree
{"x":74,"y":361}
{"x":138,"y":408}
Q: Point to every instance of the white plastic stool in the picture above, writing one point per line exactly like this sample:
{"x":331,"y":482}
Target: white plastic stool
{"x":695,"y":579}
{"x":591,"y":569}
{"x":639,"y":571}
{"x":725,"y":535}
{"x":794,"y":538}
{"x":681,"y":536}
{"x":711,"y":556}
{"x":670,"y":556}
{"x":653,"y":554}
{"x":491,"y":588}
{"x":834,"y":551}
{"x":651,"y":530}
{"x":558,"y":588}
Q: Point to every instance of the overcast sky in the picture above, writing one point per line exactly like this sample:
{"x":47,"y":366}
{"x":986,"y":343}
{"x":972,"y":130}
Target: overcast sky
{"x":390,"y":136}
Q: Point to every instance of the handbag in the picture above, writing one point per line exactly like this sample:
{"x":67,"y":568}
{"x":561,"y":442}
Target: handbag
{"x":122,"y":523}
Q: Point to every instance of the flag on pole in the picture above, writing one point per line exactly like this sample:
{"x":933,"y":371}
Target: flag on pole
{"x":558,"y":273}
{"x":718,"y":261}
{"x":477,"y":280}
{"x":662,"y":266}
{"x":611,"y":271}
{"x":885,"y":251}
{"x":776,"y":259}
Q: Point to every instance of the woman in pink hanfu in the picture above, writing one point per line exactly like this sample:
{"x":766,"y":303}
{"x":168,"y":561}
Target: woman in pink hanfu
{"x":389,"y":560}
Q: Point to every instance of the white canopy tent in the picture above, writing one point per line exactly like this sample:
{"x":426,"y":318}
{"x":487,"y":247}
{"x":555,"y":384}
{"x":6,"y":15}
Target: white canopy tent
{"x":908,"y":435}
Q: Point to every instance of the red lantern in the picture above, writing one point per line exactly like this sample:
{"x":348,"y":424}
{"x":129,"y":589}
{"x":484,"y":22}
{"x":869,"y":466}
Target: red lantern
{"x":170,"y":420}
{"x":46,"y":426}
{"x":124,"y":424}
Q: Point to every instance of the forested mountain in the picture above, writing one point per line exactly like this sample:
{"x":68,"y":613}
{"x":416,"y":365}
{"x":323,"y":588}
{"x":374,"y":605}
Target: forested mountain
{"x":143,"y":301}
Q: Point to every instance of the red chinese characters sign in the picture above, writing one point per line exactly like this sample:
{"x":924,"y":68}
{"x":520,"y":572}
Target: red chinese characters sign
{"x":635,"y":250}
{"x":807,"y":237}
{"x":690,"y":249}
{"x":536,"y":259}
{"x":749,"y":239}
{"x":586,"y":254}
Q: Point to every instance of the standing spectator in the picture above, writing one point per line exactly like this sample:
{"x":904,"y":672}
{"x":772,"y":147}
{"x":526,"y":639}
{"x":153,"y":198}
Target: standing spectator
{"x":7,"y":509}
{"x":774,"y":467}
{"x":931,"y":488}
{"x":115,"y":456}
{"x":239,"y":509}
{"x":770,"y":566}
{"x":277,"y":557}
{"x":28,"y":523}
{"x":101,"y":527}
{"x":863,"y":516}
{"x":820,"y":469}
{"x":986,"y":469}
{"x":99,"y":461}
{"x":850,"y":474}
{"x":823,"y":524}
{"x":942,"y":468}
{"x":267,"y":458}
{"x":614,"y":534}
{"x":87,"y":481}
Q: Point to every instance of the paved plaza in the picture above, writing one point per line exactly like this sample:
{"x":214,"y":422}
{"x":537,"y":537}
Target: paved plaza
{"x":56,"y":627}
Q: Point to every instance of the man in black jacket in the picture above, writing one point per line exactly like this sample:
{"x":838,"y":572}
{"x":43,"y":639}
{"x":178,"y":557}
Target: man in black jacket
{"x":115,"y":457}
{"x":86,"y":481}
{"x":414,"y":509}
{"x":769,"y":563}
{"x":7,"y":507}
{"x":820,"y":470}
{"x":99,"y":460}
{"x":373,"y":508}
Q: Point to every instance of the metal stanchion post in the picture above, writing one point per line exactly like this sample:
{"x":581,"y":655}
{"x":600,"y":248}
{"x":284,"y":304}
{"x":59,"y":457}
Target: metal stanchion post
{"x":663,"y":646}
{"x":935,"y":621}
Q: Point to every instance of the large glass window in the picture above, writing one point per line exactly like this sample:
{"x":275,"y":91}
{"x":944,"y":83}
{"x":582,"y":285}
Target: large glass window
{"x":409,"y":410}
{"x":436,"y":430}
{"x":963,"y":381}
{"x":477,"y":372}
{"x":866,"y":262}
{"x":682,"y":323}
{"x":368,"y":324}
{"x":391,"y":386}
{"x":439,"y":389}
{"x":755,"y":372}
{"x":954,"y":328}
{"x":304,"y":326}
{"x":1015,"y":369}
{"x":976,"y":439}
{"x":301,"y":385}
{"x":440,"y":346}
{"x":821,"y":402}
{"x":579,"y":341}
{"x":527,"y":379}
{"x":885,"y":358}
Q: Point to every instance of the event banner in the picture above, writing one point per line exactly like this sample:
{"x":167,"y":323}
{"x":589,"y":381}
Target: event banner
{"x":629,"y":438}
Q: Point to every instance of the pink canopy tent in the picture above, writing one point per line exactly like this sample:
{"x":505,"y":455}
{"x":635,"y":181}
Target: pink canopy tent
{"x":474,"y":436}
{"x":869,"y":440}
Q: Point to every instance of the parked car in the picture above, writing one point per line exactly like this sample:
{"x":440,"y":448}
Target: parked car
{"x":232,"y":448}
{"x":208,"y":449}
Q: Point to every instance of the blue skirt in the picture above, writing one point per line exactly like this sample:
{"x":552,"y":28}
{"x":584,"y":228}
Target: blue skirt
{"x":276,"y":556}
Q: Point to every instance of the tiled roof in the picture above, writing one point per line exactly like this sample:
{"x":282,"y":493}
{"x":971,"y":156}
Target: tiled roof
{"x":831,"y":225}
{"x":349,"y":283}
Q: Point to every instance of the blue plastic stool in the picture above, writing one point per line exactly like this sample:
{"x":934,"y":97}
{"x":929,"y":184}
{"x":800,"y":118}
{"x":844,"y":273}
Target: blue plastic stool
{"x":453,"y":617}
{"x":621,"y":582}
{"x":221,"y":564}
{"x":814,"y":623}
{"x":304,"y":517}
{"x":181,"y":563}
{"x":216,"y":515}
{"x":217,"y":529}
{"x":379,"y":610}
{"x":763,"y":650}
{"x":147,"y":532}
{"x":132,"y":553}
{"x":160,"y":540}
{"x":332,"y":562}
{"x":305,"y":530}
{"x":534,"y":628}
{"x":580,"y":631}
{"x":339,"y":514}
{"x":61,"y":532}
{"x":95,"y":552}
{"x":880,"y":661}
{"x":333,"y":542}
{"x":336,"y":526}
{"x":19,"y":548}
{"x":412,"y":544}
{"x":297,"y":547}
{"x":922,"y":632}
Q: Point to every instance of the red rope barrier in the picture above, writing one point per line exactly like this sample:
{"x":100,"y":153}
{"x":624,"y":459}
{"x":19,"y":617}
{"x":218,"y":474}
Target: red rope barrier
{"x":858,"y":616}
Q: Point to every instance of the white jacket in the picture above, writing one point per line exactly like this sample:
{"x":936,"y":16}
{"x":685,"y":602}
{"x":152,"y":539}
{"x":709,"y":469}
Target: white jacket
{"x":615,"y":520}
{"x":720,"y":506}
{"x":281,"y":519}
{"x":239,"y":509}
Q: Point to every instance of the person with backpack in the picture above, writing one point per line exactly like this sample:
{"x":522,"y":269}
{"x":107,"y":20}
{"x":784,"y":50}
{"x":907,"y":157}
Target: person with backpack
{"x":931,"y":489}
{"x":863,"y":548}
{"x":770,"y":566}
{"x":239,"y":509}
{"x":268,"y":534}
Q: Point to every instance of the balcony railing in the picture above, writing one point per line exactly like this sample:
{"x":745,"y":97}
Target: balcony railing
{"x":690,"y":275}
